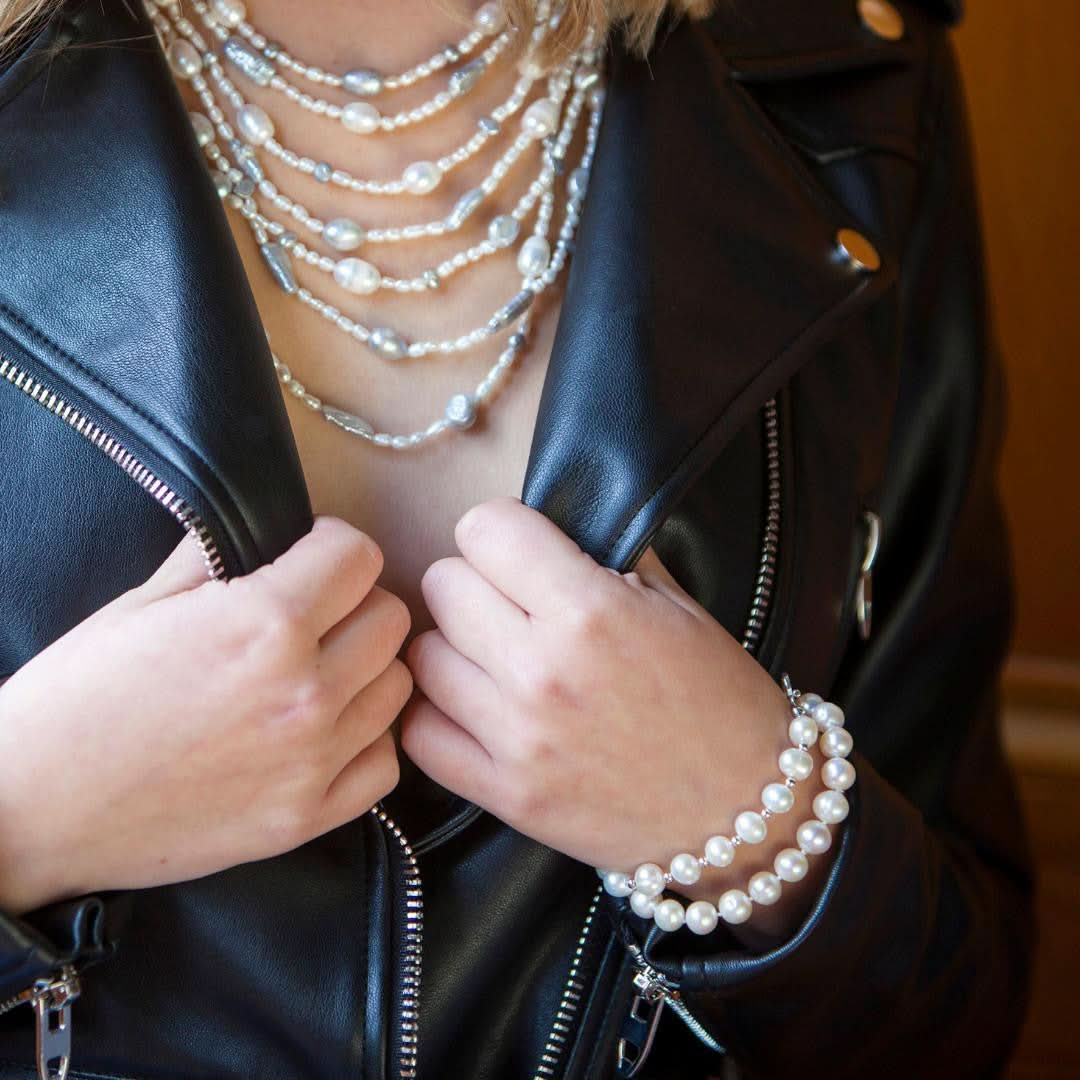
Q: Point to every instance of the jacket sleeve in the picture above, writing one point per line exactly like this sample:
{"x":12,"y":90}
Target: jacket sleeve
{"x":916,"y":954}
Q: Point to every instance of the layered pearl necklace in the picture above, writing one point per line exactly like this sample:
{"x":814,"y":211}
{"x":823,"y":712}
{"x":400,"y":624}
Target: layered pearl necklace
{"x":222,"y":51}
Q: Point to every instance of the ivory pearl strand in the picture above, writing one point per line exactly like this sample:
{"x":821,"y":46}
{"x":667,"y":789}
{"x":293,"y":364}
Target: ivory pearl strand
{"x":813,"y":720}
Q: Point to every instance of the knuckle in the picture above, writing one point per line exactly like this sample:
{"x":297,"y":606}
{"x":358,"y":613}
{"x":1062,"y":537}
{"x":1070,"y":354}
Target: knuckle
{"x":544,"y":687}
{"x":590,"y":621}
{"x":287,"y":826}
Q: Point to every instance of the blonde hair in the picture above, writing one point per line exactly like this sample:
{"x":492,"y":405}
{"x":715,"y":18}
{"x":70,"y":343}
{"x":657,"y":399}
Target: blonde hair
{"x":638,"y":18}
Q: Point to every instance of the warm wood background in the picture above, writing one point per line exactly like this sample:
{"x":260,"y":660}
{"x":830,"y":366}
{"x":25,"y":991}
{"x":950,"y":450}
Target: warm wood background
{"x":1023,"y":87}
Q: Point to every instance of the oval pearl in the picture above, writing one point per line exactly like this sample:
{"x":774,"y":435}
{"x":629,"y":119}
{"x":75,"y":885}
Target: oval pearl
{"x":777,"y":798}
{"x":204,"y":130}
{"x":813,"y":837}
{"x":489,"y":18}
{"x":719,"y":851}
{"x":184,"y":59}
{"x":750,"y":827}
{"x":649,"y":879}
{"x":362,"y":81}
{"x":230,"y":12}
{"x":808,"y":701}
{"x":254,"y":124}
{"x":830,"y":807}
{"x":685,"y":869}
{"x":534,"y":256}
{"x":461,"y":411}
{"x":797,"y":764}
{"x":577,"y":182}
{"x":764,"y":888}
{"x":617,"y":884}
{"x":357,"y":276}
{"x":838,"y":773}
{"x":734,"y":906}
{"x":503,"y":230}
{"x":343,"y":234}
{"x":360,"y":117}
{"x":388,"y":343}
{"x":540,"y":119}
{"x":642,"y":905}
{"x":791,"y":865}
{"x":802,"y":731}
{"x":701,"y":917}
{"x":828,"y":715}
{"x":836,"y":742}
{"x":421,"y":177}
{"x":669,"y":915}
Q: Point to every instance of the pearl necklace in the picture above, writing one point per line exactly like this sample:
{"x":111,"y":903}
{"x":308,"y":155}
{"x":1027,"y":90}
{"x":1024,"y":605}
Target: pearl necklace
{"x":233,"y":133}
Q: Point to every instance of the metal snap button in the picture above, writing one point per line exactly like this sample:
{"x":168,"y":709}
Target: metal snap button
{"x":882,"y":19}
{"x":857,"y":250}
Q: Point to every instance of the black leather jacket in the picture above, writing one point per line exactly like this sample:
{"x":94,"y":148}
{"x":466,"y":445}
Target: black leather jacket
{"x":724,"y":385}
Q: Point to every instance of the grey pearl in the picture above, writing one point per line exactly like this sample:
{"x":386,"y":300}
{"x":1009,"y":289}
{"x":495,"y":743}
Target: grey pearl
{"x":363,"y":82}
{"x":465,"y":78}
{"x":280,"y":265}
{"x":461,"y":411}
{"x":347,"y":420}
{"x":388,"y":343}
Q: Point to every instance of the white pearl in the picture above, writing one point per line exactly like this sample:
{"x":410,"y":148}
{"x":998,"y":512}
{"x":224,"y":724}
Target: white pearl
{"x":503,"y":230}
{"x":685,"y":869}
{"x":669,"y":915}
{"x":540,"y":119}
{"x":802,"y":731}
{"x":184,"y":59}
{"x":649,"y":879}
{"x":421,"y":177}
{"x":357,"y":276}
{"x":534,"y":256}
{"x":765,"y":888}
{"x":750,"y":827}
{"x":204,"y":130}
{"x":813,"y":837}
{"x":808,"y":701}
{"x":734,"y":906}
{"x":830,"y":807}
{"x":254,"y":124}
{"x":719,"y":851}
{"x":791,"y":865}
{"x":701,"y":917}
{"x":797,"y":764}
{"x":836,"y":742}
{"x":601,"y":873}
{"x":489,"y":18}
{"x":343,"y":234}
{"x":230,"y":12}
{"x":838,"y":773}
{"x":777,"y":798}
{"x":617,"y":884}
{"x":828,"y":715}
{"x":361,"y":117}
{"x":642,"y":905}
{"x":460,"y":411}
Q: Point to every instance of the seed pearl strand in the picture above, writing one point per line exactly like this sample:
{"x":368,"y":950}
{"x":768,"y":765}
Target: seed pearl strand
{"x":813,"y":720}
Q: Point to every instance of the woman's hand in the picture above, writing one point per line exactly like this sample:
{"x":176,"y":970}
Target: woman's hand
{"x":608,"y":716}
{"x":192,"y":725}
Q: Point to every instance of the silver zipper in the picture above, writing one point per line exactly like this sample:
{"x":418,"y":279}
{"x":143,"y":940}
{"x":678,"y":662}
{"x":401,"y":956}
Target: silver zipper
{"x":156,"y":488}
{"x":654,"y":990}
{"x":51,"y":1000}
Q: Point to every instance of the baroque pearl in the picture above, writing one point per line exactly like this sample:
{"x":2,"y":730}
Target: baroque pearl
{"x":777,"y":798}
{"x":362,"y":81}
{"x":791,"y":865}
{"x":719,"y":851}
{"x":813,"y":837}
{"x":669,"y":915}
{"x":343,"y":234}
{"x":764,"y":888}
{"x":830,"y":807}
{"x":750,"y":827}
{"x":649,"y":879}
{"x":534,"y":256}
{"x":734,"y":906}
{"x":838,"y":773}
{"x":540,"y":118}
{"x":461,"y":411}
{"x":230,"y":12}
{"x":503,"y":230}
{"x":617,"y":884}
{"x":797,"y":764}
{"x":421,"y":177}
{"x":184,"y":59}
{"x":388,"y":343}
{"x":254,"y":124}
{"x":836,"y":742}
{"x":701,"y":917}
{"x":489,"y":18}
{"x":360,"y":117}
{"x":802,"y":731}
{"x":357,"y":276}
{"x":828,"y":715}
{"x":685,"y":869}
{"x":642,"y":905}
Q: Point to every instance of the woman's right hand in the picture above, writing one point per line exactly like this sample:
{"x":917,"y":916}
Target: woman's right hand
{"x":191,"y":725}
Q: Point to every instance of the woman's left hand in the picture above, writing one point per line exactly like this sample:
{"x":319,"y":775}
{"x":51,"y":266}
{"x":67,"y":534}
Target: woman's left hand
{"x":606,"y":715}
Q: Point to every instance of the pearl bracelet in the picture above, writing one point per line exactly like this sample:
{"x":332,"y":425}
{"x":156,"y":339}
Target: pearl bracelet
{"x":813,"y":720}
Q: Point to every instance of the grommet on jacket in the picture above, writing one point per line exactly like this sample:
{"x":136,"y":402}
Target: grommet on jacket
{"x":857,"y":251}
{"x":882,"y":19}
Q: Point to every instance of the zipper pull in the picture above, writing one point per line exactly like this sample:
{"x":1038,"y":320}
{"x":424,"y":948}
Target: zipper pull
{"x":641,"y":1023}
{"x":52,"y":1008}
{"x":864,"y":594}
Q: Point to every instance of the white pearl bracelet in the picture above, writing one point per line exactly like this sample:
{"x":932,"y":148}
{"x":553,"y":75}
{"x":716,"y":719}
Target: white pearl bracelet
{"x":813,"y":720}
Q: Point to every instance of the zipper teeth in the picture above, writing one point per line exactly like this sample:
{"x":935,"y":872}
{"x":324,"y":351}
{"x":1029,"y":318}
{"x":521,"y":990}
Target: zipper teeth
{"x":155,"y":487}
{"x":770,"y":539}
{"x":409,"y":1028}
{"x":14,"y":1002}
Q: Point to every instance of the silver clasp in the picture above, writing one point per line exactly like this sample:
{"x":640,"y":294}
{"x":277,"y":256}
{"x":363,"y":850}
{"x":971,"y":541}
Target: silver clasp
{"x":52,"y":1008}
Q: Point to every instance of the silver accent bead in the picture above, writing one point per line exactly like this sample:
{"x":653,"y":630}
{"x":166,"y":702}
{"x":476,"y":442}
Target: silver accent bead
{"x":363,"y":82}
{"x":465,"y":78}
{"x":245,"y":188}
{"x":489,"y":125}
{"x":343,"y":234}
{"x":503,"y":230}
{"x":347,"y":420}
{"x":431,"y":279}
{"x":388,"y":343}
{"x":280,"y":265}
{"x":257,"y":68}
{"x":461,"y":411}
{"x":511,"y":311}
{"x":323,"y":171}
{"x":464,"y":207}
